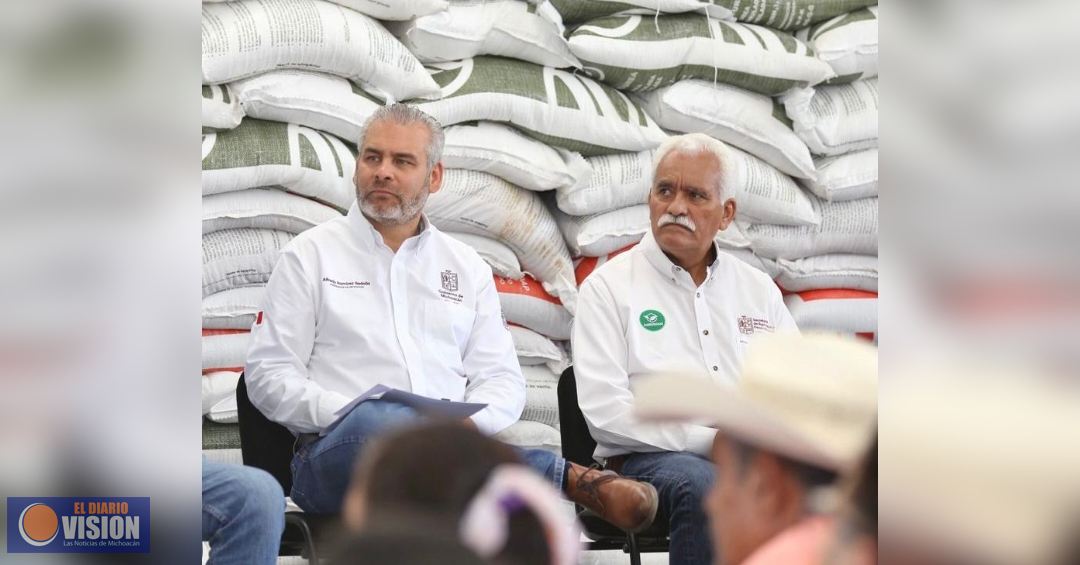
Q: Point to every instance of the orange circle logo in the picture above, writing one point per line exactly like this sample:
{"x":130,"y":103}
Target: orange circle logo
{"x":38,"y":524}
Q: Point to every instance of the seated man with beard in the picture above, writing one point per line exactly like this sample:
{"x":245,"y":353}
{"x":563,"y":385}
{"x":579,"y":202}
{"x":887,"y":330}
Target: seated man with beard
{"x":382,"y":297}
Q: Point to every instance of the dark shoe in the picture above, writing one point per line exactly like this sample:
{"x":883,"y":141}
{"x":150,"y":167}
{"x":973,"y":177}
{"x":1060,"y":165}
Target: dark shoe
{"x":627,"y":504}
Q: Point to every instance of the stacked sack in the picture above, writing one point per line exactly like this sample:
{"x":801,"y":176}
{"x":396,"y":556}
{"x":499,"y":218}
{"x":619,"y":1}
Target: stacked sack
{"x":789,"y":85}
{"x":829,"y":274}
{"x":286,"y":86}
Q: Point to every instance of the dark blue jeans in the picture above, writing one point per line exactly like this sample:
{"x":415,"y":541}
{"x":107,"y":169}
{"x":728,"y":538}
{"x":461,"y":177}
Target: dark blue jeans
{"x":681,"y":479}
{"x":321,"y":469}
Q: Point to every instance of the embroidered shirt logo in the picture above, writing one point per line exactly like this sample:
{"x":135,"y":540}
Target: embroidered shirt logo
{"x":748,"y":325}
{"x":449,"y":281}
{"x":652,"y":320}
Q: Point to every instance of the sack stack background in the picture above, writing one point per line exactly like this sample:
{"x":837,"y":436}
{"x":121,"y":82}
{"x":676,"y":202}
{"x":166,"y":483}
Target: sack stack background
{"x":552,"y":109}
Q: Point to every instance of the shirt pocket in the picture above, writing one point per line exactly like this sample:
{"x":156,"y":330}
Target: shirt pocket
{"x":447,"y":328}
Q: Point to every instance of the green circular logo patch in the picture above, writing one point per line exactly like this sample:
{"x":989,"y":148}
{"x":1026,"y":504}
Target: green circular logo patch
{"x":652,"y":320}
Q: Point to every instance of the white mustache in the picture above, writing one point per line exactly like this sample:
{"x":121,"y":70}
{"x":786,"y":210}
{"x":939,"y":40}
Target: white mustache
{"x":683,"y":221}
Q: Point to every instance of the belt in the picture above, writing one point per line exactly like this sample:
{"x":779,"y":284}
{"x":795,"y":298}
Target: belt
{"x":615,"y":463}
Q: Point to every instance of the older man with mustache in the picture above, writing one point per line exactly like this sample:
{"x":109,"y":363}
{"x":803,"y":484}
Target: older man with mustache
{"x":674,"y":303}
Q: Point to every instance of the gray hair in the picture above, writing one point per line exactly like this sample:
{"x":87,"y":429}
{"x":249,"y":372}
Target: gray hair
{"x":694,"y":144}
{"x":405,"y":115}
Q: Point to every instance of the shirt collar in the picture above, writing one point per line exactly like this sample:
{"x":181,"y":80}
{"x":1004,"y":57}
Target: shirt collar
{"x":670,"y":270}
{"x":371,"y":238}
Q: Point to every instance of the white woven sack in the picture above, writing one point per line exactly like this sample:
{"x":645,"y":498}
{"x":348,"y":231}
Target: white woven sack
{"x":613,"y":181}
{"x":240,"y":257}
{"x":750,"y":121}
{"x":495,"y":253}
{"x":846,"y":227}
{"x":226,"y":350}
{"x":525,"y":303}
{"x":602,"y":234}
{"x":385,"y":10}
{"x":846,"y":177}
{"x":533,"y":348}
{"x":483,"y":204}
{"x":233,"y":309}
{"x":264,"y":208}
{"x":248,"y":37}
{"x":764,"y":194}
{"x":834,"y":120}
{"x":541,"y":395}
{"x":501,"y":150}
{"x":220,"y":108}
{"x":841,"y":270}
{"x":259,"y":153}
{"x":761,"y":193}
{"x":641,"y":53}
{"x":317,"y":100}
{"x":788,"y":14}
{"x":530,"y":31}
{"x":846,"y":312}
{"x":531,"y":435}
{"x":848,"y":43}
{"x":557,"y":107}
{"x":217,"y":386}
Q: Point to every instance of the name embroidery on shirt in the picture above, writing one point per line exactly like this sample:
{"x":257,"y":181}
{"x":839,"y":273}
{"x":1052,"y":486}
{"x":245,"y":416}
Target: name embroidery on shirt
{"x":346,"y":284}
{"x":748,"y":325}
{"x":450,"y":287}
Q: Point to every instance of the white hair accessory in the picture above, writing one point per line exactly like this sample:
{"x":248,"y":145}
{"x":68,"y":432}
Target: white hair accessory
{"x":485,"y":525}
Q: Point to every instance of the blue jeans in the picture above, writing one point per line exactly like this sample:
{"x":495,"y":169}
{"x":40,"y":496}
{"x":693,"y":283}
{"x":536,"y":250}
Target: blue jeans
{"x":681,"y":480}
{"x":322,"y":469}
{"x":243,"y":514}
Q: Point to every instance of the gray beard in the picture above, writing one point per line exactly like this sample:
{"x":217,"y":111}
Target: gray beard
{"x":399,"y":214}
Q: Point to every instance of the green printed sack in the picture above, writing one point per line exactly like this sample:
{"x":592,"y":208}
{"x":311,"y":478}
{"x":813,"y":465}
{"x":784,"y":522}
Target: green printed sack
{"x":554,"y":106}
{"x":299,"y":159}
{"x":639,"y":53}
{"x":577,"y":11}
{"x":848,"y":43}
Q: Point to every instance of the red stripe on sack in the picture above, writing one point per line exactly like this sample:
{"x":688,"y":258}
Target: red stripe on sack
{"x":219,"y":369}
{"x":827,"y":293}
{"x":586,"y":265}
{"x":258,"y":318}
{"x":527,"y":286}
{"x":868,"y":336}
{"x":209,"y":332}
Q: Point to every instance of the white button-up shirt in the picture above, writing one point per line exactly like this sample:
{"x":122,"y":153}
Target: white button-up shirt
{"x":343,"y":313}
{"x":640,"y":314}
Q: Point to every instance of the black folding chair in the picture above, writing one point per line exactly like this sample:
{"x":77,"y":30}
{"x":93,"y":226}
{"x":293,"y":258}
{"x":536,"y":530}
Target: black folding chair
{"x":269,"y":446}
{"x":577,"y":447}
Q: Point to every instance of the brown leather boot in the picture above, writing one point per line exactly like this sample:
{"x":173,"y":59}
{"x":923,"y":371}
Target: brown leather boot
{"x":627,"y":504}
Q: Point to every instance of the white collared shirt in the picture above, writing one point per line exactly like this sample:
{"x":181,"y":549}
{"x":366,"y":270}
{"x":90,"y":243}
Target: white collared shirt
{"x":343,"y":313}
{"x":640,"y":314}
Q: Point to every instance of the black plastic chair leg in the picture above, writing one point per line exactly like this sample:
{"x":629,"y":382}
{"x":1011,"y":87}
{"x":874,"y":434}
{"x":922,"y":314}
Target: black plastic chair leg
{"x":632,"y":547}
{"x":305,"y":532}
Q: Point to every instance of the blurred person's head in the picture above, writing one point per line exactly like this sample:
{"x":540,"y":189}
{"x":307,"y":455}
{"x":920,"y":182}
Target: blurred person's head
{"x":690,"y":200}
{"x":398,"y":164}
{"x":479,"y":492}
{"x":433,"y":467}
{"x":855,"y":542}
{"x":757,"y":495}
{"x":801,"y":414}
{"x":408,"y":537}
